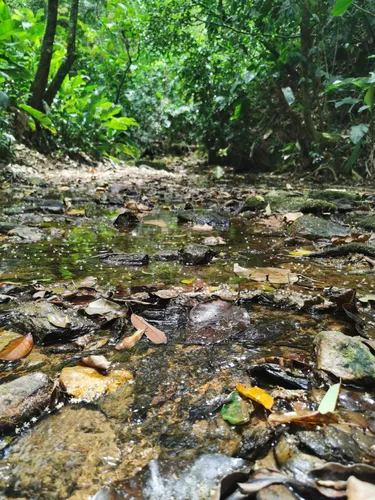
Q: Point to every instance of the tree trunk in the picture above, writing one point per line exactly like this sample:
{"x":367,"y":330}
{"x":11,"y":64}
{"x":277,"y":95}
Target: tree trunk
{"x":69,"y":59}
{"x":39,"y":84}
{"x":306,"y":46}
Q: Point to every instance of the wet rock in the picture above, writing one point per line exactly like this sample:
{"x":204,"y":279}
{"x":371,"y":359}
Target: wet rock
{"x":211,"y":241}
{"x":54,"y":207}
{"x":332,"y":444}
{"x":71,"y":453}
{"x":284,"y":201}
{"x":5,"y":227}
{"x":125,"y":259}
{"x":344,"y":357}
{"x":273,"y":373}
{"x":312,"y":227}
{"x":167,"y":256}
{"x":256,"y":441}
{"x":126,"y":220}
{"x":204,"y":217}
{"x":276,"y":492}
{"x":87,"y":384}
{"x":345,"y":250}
{"x":23,"y":398}
{"x":41,"y":318}
{"x":29,"y":234}
{"x":197,"y":255}
{"x":267,"y":333}
{"x":216,"y":321}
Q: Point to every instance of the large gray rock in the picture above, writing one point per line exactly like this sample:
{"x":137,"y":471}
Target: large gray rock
{"x":23,"y":397}
{"x":49,"y":324}
{"x":125,"y":259}
{"x":344,"y":357}
{"x":203,"y":217}
{"x":312,"y":227}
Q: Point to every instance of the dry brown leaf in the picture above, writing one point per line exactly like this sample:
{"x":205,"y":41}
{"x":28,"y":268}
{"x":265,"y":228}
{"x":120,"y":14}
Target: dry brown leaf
{"x":205,"y":228}
{"x":156,"y":336}
{"x":129,"y":342}
{"x":311,"y":417}
{"x":359,"y":490}
{"x":18,"y":348}
{"x":75,"y":211}
{"x":351,"y":238}
{"x":157,"y":223}
{"x":289,"y":218}
{"x":137,"y":207}
{"x":98,"y":362}
{"x":256,"y":394}
{"x":273,"y":275}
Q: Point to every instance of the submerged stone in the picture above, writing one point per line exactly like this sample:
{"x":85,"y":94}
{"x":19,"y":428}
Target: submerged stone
{"x":253,"y":203}
{"x":167,"y":256}
{"x":216,"y":321}
{"x":87,"y":384}
{"x":29,"y":234}
{"x":126,"y":220}
{"x":23,"y":398}
{"x":125,"y":259}
{"x":197,"y":255}
{"x":203,"y":217}
{"x":72,"y":452}
{"x":53,"y":207}
{"x":344,"y":357}
{"x":312,"y":227}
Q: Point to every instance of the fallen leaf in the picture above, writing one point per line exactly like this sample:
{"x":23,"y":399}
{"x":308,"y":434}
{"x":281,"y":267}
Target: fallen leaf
{"x":268,"y":210}
{"x":289,"y":218}
{"x":88,"y":282}
{"x":77,"y":212}
{"x":328,"y":403}
{"x":311,"y":417}
{"x":273,"y":275}
{"x":300,"y":253}
{"x":166,"y":294}
{"x":98,"y":362}
{"x":59,"y":320}
{"x":105,"y":307}
{"x":263,"y":478}
{"x":188,"y":281}
{"x":129,"y":342}
{"x":256,"y":394}
{"x":365,"y":299}
{"x":157,"y":223}
{"x":156,"y":336}
{"x":205,"y":228}
{"x":237,"y":411}
{"x":18,"y":348}
{"x":359,"y":490}
{"x":351,"y":238}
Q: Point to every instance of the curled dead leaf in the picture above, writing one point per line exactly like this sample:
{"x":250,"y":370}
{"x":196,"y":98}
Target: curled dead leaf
{"x":18,"y":348}
{"x":154,"y":334}
{"x":256,"y":394}
{"x":98,"y":362}
{"x":129,"y":342}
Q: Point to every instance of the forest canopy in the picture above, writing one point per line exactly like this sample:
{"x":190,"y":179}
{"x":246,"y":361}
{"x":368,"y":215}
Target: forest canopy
{"x":256,"y":84}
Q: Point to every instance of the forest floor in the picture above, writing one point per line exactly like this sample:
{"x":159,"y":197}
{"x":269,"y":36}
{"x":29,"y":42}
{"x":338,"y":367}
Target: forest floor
{"x":177,"y":332}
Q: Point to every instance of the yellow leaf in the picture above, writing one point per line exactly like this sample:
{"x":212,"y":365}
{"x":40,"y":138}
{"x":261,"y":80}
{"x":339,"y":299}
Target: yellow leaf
{"x":256,"y":394}
{"x":299,"y":253}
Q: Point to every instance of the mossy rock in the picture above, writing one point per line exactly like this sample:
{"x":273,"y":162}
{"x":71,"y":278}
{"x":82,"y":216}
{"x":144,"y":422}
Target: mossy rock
{"x":344,"y":357}
{"x":286,"y":202}
{"x":253,"y":203}
{"x":367,"y":222}
{"x":334,"y":195}
{"x":312,"y":227}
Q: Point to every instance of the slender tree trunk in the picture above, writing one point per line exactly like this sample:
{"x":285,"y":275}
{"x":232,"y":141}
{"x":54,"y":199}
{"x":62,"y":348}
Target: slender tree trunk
{"x":39,"y":84}
{"x":69,"y":59}
{"x":306,"y":45}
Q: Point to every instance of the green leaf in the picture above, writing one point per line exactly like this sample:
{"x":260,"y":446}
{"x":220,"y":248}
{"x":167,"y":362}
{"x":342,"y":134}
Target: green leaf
{"x":237,"y":412}
{"x":8,"y":27}
{"x":4,"y":11}
{"x":122,"y":123}
{"x":328,"y":403}
{"x":369,"y":97}
{"x":353,"y":158}
{"x":42,"y":118}
{"x":357,"y":132}
{"x":340,"y":7}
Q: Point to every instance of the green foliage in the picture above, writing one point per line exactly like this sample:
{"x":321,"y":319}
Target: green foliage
{"x":341,"y":6}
